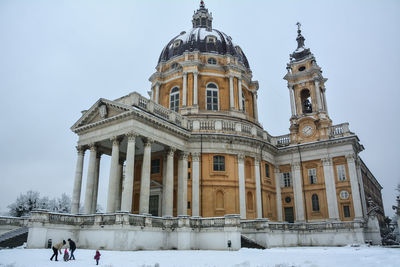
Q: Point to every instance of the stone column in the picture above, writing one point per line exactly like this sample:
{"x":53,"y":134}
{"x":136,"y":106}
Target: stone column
{"x":292,"y":101}
{"x":231,"y":96}
{"x":169,"y":185}
{"x":240,"y":94}
{"x":331,"y":197}
{"x":195,"y":88}
{"x":361,"y":184}
{"x":164,"y":181}
{"x":182,"y":183}
{"x":277,"y":173}
{"x":318,"y":94}
{"x":325,"y":104}
{"x":127,"y":193}
{"x":156,"y":95}
{"x":258,"y":187}
{"x":195,"y":184}
{"x":96,"y":183}
{"x":242,"y":186}
{"x":255,"y":109}
{"x":298,"y":192}
{"x":184,"y":89}
{"x":119,"y":185}
{"x":355,"y":189}
{"x":90,"y":179}
{"x":112,"y":184}
{"x":76,"y":194}
{"x":145,"y":182}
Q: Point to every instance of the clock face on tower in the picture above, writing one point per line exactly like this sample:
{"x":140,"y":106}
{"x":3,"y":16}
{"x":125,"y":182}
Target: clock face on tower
{"x":307,"y":130}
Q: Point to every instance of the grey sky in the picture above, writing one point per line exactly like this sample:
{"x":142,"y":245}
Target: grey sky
{"x":58,"y":57}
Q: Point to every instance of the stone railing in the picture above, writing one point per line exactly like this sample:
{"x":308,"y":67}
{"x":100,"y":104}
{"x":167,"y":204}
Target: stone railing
{"x":264,"y":224}
{"x":158,"y":110}
{"x":14,"y":221}
{"x":340,"y":130}
{"x":282,"y":140}
{"x":228,"y":126}
{"x":123,"y":218}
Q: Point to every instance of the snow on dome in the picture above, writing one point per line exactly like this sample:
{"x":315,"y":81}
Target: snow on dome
{"x":196,"y":39}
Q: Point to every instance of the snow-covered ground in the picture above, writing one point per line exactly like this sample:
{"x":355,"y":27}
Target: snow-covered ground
{"x":277,"y":257}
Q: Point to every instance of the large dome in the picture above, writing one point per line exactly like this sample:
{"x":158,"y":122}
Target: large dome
{"x":203,"y":38}
{"x":196,"y":39}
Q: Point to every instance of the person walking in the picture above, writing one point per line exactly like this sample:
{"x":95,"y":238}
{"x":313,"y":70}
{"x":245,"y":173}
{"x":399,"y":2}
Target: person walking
{"x":97,"y":257}
{"x":57,"y":248}
{"x":72,"y":247}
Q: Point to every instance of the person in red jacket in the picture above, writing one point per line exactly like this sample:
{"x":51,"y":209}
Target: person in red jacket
{"x":97,"y":257}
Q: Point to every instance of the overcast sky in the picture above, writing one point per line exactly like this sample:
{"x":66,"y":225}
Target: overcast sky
{"x":59,"y":57}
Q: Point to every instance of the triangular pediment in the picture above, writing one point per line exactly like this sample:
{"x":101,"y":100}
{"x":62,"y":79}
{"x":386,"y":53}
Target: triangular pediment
{"x":102,"y":110}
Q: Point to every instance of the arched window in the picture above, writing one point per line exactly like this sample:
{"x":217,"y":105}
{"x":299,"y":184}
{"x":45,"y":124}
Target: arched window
{"x":249,"y":201}
{"x":174,"y":99}
{"x":315,"y":202}
{"x":219,"y":163}
{"x":306,"y":101}
{"x":243,"y":103}
{"x":212,"y":96}
{"x":212,"y":60}
{"x":220,"y":200}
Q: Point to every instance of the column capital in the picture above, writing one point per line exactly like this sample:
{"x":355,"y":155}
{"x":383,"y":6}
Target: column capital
{"x":350,"y":158}
{"x":257,"y":160}
{"x":81,"y":150}
{"x":115,"y":140}
{"x":170,"y":151}
{"x":184,"y":73}
{"x":241,"y":156}
{"x":195,"y":72}
{"x":183,"y":155}
{"x":195,"y":156}
{"x":276,"y":169}
{"x":295,"y":165}
{"x":327,"y":161}
{"x":132,"y":136}
{"x":147,"y":142}
{"x":93,"y":147}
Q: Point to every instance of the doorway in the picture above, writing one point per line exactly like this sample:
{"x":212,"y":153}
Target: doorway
{"x":153,"y":205}
{"x":289,"y":217}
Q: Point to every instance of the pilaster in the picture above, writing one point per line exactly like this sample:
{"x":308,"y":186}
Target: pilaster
{"x":195,"y":184}
{"x":242,"y":186}
{"x":355,"y":189}
{"x":298,"y":192}
{"x":278,"y":193}
{"x":258,"y":187}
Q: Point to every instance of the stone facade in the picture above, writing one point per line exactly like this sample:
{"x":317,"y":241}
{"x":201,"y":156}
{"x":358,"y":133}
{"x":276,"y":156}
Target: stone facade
{"x":196,"y":147}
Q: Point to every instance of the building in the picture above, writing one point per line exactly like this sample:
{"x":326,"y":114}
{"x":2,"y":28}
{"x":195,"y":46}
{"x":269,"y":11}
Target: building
{"x":196,"y":147}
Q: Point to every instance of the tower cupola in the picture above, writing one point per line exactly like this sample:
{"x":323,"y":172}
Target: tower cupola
{"x":202,"y":18}
{"x":301,"y":52}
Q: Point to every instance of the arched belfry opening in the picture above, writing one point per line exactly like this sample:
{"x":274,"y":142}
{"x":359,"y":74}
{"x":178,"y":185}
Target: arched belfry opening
{"x":306,"y":101}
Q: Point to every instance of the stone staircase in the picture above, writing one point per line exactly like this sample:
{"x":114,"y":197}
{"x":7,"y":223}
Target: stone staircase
{"x":14,"y":238}
{"x":246,"y":242}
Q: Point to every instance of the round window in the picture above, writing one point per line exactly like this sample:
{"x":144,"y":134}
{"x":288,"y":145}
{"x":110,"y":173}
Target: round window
{"x":344,"y":194}
{"x":302,"y":68}
{"x":288,"y":199}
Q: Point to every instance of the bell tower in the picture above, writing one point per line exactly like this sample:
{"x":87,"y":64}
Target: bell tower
{"x":309,"y":121}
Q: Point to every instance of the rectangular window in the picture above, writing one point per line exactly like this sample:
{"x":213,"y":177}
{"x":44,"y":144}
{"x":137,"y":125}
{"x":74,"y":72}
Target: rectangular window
{"x":341,"y":172}
{"x":189,"y":164}
{"x":219,"y":163}
{"x":188,"y":175}
{"x":286,"y":179}
{"x":188,"y":206}
{"x":155,"y":166}
{"x":312,"y":176}
{"x":267,"y":170}
{"x":346,"y":211}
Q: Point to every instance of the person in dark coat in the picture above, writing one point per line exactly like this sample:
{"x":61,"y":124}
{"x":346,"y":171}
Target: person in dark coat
{"x":72,"y":247}
{"x":57,"y":248}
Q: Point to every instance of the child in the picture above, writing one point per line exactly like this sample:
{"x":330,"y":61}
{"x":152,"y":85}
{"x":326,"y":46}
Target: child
{"x":66,"y":256}
{"x":97,"y":257}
